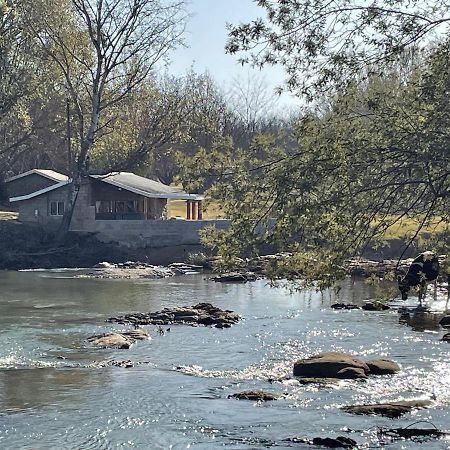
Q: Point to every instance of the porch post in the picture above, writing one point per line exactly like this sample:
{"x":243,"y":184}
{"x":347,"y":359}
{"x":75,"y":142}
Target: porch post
{"x":200,"y":210}
{"x":194,"y":212}
{"x":188,"y":210}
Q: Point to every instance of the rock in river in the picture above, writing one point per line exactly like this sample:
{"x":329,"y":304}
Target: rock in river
{"x":235,"y":277}
{"x":328,"y":365}
{"x":375,"y":306}
{"x":391,"y":409}
{"x":382,"y":366}
{"x":121,"y":340}
{"x":344,"y":306}
{"x":343,"y":366}
{"x":260,"y":396}
{"x":352,"y":373}
{"x":200,"y":314}
{"x":338,"y":442}
{"x":112,"y":340}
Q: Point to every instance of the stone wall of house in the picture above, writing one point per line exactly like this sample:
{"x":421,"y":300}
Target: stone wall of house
{"x":149,"y":233}
{"x":84,"y":211}
{"x":28,"y":184}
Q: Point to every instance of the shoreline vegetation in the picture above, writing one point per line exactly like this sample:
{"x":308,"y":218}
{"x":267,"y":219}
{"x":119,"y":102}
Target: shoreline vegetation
{"x":24,"y":246}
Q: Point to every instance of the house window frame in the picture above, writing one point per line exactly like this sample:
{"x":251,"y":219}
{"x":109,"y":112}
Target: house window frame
{"x":57,"y":208}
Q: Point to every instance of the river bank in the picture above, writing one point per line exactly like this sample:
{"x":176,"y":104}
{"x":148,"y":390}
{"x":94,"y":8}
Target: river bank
{"x":29,"y":247}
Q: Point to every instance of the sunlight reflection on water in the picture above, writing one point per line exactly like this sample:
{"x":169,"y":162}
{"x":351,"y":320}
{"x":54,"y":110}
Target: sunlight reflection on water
{"x":51,"y":397}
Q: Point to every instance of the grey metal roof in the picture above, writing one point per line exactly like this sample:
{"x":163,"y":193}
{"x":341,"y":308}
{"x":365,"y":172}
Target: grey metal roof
{"x":143,"y":186}
{"x":47,"y":173}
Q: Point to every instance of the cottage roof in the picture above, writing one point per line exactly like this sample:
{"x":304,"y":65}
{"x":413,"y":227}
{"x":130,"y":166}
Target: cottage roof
{"x":128,"y":181}
{"x":40,"y":192}
{"x":143,"y":186}
{"x":47,"y":173}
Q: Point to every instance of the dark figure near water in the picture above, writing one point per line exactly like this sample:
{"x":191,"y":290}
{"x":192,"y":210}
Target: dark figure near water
{"x":423,"y":270}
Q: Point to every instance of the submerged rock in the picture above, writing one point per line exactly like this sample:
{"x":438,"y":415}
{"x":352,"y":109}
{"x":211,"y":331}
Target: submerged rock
{"x":338,"y":442}
{"x":411,"y":433}
{"x":231,"y":277}
{"x":390,"y":409}
{"x":344,"y":306}
{"x":375,"y":306}
{"x":200,"y":314}
{"x":124,"y":364}
{"x":318,"y":381}
{"x":328,"y":365}
{"x":260,"y":396}
{"x":382,"y":366}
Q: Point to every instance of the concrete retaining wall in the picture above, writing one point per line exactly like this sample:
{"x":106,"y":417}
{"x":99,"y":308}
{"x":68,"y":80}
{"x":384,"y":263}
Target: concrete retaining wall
{"x":149,"y":233}
{"x":138,"y":234}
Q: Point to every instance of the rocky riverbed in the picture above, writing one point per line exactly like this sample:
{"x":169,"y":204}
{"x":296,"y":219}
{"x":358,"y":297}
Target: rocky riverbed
{"x":199,"y":314}
{"x":135,"y":270}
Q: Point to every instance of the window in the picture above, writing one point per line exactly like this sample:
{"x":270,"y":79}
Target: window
{"x":56,"y":208}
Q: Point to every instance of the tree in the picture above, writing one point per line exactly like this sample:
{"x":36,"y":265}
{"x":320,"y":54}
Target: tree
{"x":372,"y":149}
{"x":104,"y":49}
{"x":17,"y":75}
{"x":252,"y":101}
{"x":371,"y":156}
{"x":322,"y":42}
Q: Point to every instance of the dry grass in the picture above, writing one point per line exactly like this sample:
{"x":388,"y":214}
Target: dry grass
{"x":8,"y":215}
{"x":408,"y":227}
{"x":210,"y":211}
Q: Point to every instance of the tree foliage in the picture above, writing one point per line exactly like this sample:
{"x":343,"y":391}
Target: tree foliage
{"x":372,"y":155}
{"x":320,"y":42}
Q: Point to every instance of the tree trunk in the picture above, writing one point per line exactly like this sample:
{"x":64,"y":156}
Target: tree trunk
{"x":81,"y":170}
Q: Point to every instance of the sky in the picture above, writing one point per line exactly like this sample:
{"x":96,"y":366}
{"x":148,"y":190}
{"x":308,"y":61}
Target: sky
{"x":206,"y":36}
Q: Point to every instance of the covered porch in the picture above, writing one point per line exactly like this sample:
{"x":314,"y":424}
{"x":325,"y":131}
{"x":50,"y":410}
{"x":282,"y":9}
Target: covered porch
{"x":126,"y":196}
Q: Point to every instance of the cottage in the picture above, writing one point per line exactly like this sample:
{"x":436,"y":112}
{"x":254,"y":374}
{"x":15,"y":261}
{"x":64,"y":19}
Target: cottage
{"x":119,"y":207}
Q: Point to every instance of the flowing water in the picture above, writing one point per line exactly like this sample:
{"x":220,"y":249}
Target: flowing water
{"x":52,"y":396}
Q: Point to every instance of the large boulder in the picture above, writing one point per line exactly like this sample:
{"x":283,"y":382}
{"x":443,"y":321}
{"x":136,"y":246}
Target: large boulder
{"x":382,"y":366}
{"x":112,"y":340}
{"x":328,"y":365}
{"x":391,"y":409}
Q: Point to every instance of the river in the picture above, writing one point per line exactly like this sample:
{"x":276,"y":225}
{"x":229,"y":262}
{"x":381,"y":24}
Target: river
{"x":175,"y":397}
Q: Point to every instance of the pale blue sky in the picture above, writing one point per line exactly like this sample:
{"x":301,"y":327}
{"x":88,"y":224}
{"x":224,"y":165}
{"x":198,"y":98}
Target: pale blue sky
{"x":206,"y":37}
